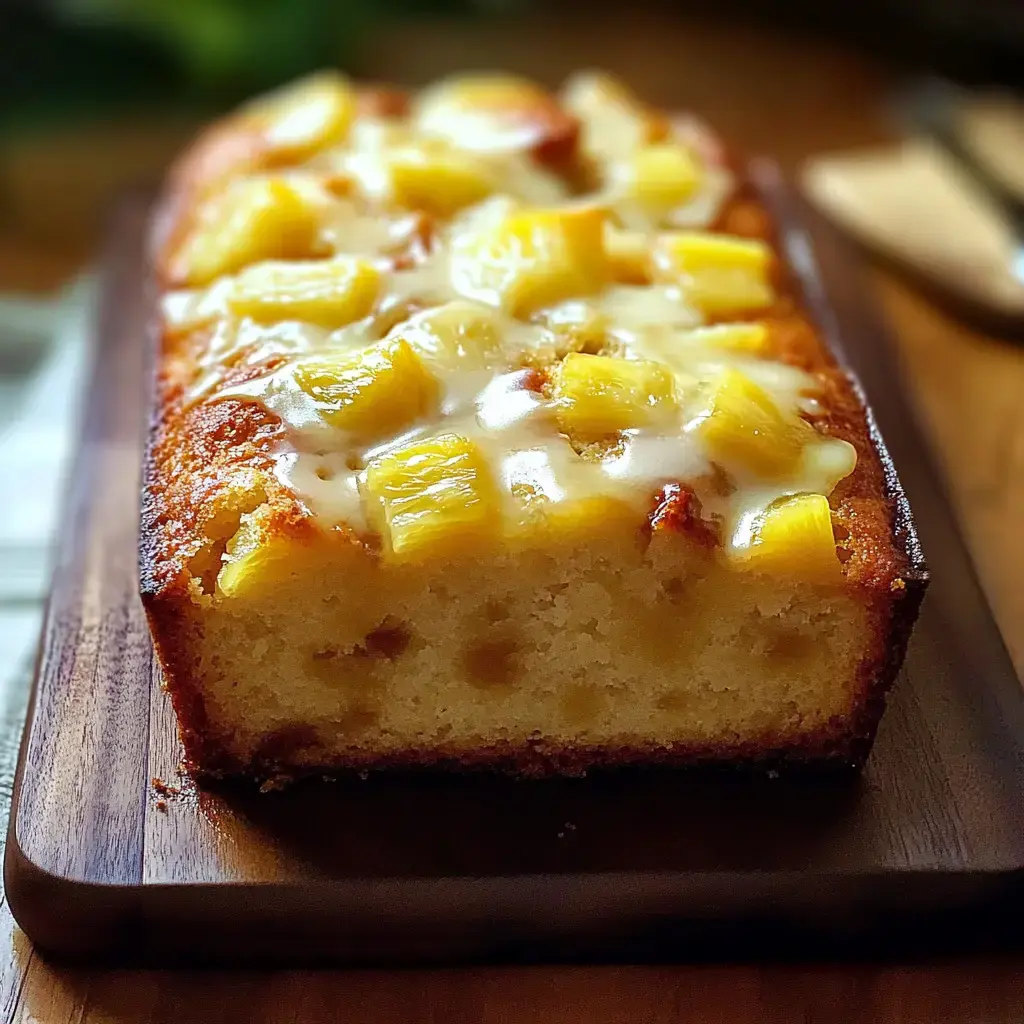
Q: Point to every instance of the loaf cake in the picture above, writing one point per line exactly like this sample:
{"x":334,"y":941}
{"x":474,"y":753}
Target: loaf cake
{"x":491,"y":431}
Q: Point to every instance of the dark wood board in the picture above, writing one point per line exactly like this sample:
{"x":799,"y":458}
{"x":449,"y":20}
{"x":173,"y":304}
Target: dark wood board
{"x":924,"y":848}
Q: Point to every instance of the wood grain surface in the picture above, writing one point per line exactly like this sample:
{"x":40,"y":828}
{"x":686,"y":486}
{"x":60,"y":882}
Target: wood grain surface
{"x":966,"y":387}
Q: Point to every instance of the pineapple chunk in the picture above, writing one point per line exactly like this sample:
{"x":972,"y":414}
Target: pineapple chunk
{"x":743,"y":338}
{"x":458,"y":333}
{"x":330,"y":293}
{"x":743,"y":426}
{"x":793,"y":537}
{"x":598,"y":395}
{"x":251,"y":220}
{"x":496,"y":114}
{"x":254,"y":561}
{"x":533,"y":258}
{"x":371,"y":393}
{"x":719,"y":274}
{"x":433,"y":497}
{"x":629,"y":255}
{"x":265,"y":555}
{"x":437,"y":180}
{"x":662,"y":177}
{"x":614,"y":120}
{"x":303,"y":118}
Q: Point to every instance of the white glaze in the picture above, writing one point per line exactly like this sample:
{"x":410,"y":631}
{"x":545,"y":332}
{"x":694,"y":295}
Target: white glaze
{"x":482,"y":394}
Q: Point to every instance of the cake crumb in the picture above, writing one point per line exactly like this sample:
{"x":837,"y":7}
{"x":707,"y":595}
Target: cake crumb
{"x":164,"y":789}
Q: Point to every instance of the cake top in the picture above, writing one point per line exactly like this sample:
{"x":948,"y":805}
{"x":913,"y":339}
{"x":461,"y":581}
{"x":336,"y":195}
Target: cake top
{"x":490,"y":313}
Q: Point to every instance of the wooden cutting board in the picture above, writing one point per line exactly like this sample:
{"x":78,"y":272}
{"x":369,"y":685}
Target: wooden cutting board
{"x":112,"y":853}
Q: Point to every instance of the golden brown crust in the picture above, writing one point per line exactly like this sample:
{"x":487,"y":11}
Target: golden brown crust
{"x":838,"y":744}
{"x":201,"y":457}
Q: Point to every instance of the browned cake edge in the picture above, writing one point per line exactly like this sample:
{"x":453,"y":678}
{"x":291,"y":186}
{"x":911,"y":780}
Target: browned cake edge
{"x":190,"y":455}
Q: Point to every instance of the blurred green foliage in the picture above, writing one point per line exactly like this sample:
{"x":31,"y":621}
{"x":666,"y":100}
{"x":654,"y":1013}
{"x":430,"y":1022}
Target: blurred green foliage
{"x":81,"y":58}
{"x":233,"y":46}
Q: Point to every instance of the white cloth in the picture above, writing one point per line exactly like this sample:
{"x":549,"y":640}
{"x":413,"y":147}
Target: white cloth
{"x":39,"y":412}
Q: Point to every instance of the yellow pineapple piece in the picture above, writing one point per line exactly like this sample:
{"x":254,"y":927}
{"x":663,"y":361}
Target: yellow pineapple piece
{"x":742,"y":426}
{"x":250,"y":220}
{"x":533,"y":258}
{"x":598,"y":395}
{"x":629,"y":255}
{"x":458,"y":333}
{"x":305,"y":117}
{"x":662,"y":176}
{"x":495,"y":114}
{"x":263,"y":556}
{"x":614,"y":120}
{"x":438,"y":180}
{"x":330,"y":293}
{"x":254,"y":561}
{"x":371,"y":393}
{"x":719,"y":274}
{"x":433,"y":497}
{"x":792,"y":537}
{"x":745,"y":338}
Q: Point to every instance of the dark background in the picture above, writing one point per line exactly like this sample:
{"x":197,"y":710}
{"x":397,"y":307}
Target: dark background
{"x":97,"y":96}
{"x":68,"y":58}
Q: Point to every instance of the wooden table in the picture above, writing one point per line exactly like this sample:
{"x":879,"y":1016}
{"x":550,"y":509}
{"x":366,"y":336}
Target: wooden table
{"x":774,"y":95}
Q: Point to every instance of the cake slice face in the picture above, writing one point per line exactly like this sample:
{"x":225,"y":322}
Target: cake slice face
{"x":480,"y":445}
